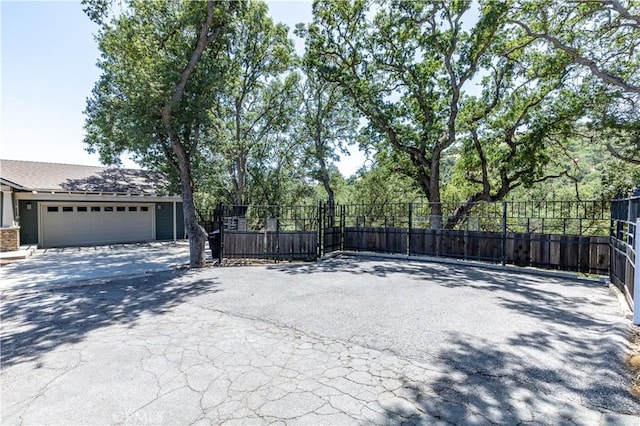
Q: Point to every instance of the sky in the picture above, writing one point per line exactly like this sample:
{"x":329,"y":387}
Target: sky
{"x":48,"y":69}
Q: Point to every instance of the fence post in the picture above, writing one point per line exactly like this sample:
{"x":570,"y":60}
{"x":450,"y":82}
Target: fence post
{"x":319,"y":242}
{"x":410,"y":229}
{"x":221,"y":229}
{"x":343,"y":226}
{"x":277,"y":233}
{"x":636,"y":275}
{"x":504,"y":233}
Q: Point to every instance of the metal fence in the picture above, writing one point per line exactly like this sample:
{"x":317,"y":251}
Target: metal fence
{"x":624,"y":216}
{"x":550,"y":234}
{"x":544,"y":217}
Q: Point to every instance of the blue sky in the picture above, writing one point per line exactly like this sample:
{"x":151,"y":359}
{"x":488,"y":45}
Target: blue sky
{"x":48,"y":57}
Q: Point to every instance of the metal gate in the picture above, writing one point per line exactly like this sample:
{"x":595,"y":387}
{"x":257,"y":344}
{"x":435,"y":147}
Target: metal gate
{"x":624,"y":216}
{"x":267,"y":232}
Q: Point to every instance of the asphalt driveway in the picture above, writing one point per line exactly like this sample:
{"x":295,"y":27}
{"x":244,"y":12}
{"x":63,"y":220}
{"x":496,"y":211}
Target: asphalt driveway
{"x":345,"y":341}
{"x":62,"y":266}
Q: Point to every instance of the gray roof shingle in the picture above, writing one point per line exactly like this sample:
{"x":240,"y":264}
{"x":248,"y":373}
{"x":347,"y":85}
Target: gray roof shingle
{"x":37,"y":176}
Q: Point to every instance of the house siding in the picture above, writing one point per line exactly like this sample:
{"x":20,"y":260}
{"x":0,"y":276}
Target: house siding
{"x":180,"y":221}
{"x":28,"y":221}
{"x":164,"y":221}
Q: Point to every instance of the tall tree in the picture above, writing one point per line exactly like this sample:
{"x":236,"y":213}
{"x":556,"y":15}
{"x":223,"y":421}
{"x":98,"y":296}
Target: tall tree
{"x":258,"y":92}
{"x":161,"y":69}
{"x":521,"y":124}
{"x":412,"y":69}
{"x":328,"y":123}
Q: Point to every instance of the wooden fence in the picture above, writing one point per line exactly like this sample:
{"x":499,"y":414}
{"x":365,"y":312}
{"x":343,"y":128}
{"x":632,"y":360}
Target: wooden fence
{"x":588,"y":254}
{"x":270,"y":245}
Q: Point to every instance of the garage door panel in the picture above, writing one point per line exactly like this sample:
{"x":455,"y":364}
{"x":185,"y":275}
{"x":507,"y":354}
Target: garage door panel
{"x":84,"y":225}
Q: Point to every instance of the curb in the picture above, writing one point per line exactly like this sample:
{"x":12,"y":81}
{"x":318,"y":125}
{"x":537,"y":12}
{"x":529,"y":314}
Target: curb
{"x":16,"y":256}
{"x":627,"y":313}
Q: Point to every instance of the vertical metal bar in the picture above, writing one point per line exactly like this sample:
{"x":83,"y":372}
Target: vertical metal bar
{"x":629,"y":220}
{"x":278,"y":233}
{"x":636,"y":275}
{"x":410,"y":229}
{"x":546,"y":206}
{"x":221,"y":228}
{"x":319,"y":242}
{"x":342,"y":227}
{"x":504,"y":233}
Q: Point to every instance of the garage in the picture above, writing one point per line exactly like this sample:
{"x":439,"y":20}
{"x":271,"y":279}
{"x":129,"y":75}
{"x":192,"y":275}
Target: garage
{"x":75,"y":224}
{"x":62,"y":205}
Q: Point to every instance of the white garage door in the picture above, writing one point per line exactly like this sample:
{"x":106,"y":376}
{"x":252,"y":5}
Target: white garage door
{"x":74,"y":224}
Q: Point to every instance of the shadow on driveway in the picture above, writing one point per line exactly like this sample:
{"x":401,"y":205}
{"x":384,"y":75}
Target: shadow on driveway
{"x":531,"y":295}
{"x":35,"y":323}
{"x":484,"y":384}
{"x":573,"y":349}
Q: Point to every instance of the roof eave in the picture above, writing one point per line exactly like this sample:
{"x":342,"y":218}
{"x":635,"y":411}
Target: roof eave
{"x":13,"y":184}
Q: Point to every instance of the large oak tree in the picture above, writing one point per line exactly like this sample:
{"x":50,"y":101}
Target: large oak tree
{"x":161,"y":71}
{"x":432,"y":77}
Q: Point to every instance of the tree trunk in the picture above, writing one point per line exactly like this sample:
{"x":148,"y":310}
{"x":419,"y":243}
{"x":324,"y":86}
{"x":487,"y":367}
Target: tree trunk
{"x":463,"y":210}
{"x":195,"y":232}
{"x":326,"y":178}
{"x":240,"y":179}
{"x":434,"y":191}
{"x":197,"y":235}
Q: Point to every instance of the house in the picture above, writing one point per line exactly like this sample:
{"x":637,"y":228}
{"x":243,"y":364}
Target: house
{"x":59,"y":205}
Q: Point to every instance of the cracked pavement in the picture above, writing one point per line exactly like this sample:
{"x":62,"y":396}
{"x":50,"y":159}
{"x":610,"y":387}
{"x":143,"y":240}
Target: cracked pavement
{"x":341,"y":342}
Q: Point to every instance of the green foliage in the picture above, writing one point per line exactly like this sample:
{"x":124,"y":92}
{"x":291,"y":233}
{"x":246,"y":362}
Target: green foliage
{"x":382,"y":185}
{"x":161,"y":69}
{"x":328,"y":123}
{"x":411,"y":68}
{"x":256,"y":107}
{"x":144,"y":50}
{"x":602,"y":40}
{"x":462,"y":100}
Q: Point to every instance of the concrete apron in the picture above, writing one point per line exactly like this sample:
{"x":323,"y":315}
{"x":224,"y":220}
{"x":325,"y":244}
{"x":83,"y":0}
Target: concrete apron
{"x":60,"y":267}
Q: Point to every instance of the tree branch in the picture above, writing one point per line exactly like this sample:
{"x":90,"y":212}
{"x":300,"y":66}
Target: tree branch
{"x":581,"y":60}
{"x":620,"y":156}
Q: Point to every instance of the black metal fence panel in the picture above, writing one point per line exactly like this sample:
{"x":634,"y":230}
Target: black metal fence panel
{"x":551,"y":234}
{"x":543,"y":217}
{"x":266,"y":232}
{"x":624,"y":216}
